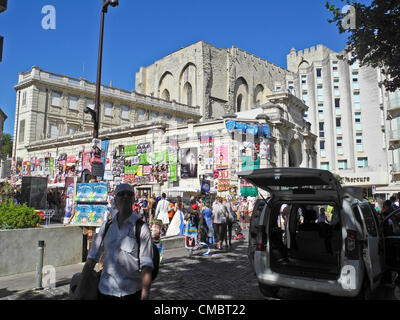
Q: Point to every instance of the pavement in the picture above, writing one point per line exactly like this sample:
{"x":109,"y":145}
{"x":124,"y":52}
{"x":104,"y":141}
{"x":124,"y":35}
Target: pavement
{"x":23,"y":286}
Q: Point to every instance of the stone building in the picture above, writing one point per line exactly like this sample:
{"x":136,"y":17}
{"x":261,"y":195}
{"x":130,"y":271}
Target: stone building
{"x":195,"y":90}
{"x":219,"y":81}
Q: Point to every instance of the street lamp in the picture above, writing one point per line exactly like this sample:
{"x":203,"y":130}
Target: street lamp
{"x":96,"y":112}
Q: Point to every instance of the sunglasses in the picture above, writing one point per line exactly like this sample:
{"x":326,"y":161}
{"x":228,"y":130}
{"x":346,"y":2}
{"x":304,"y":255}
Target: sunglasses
{"x":124,"y":194}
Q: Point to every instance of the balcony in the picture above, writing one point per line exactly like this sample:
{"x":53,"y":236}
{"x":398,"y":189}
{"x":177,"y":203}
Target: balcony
{"x":394,"y":135}
{"x":396,"y":168}
{"x":393,"y":105}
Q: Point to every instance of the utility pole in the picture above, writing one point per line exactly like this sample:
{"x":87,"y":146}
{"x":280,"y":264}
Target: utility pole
{"x":3,"y":7}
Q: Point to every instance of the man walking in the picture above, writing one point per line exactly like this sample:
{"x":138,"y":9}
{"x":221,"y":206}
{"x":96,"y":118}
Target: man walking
{"x":126,"y":275}
{"x":162,"y":212}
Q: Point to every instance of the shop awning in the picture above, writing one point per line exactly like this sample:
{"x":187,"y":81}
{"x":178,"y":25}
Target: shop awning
{"x":388,"y":189}
{"x":56,"y":185}
{"x":182,"y":189}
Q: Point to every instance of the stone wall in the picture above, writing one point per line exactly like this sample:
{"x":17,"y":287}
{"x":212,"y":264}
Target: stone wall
{"x":19,"y":248}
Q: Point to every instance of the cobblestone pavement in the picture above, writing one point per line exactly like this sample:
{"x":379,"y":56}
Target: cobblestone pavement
{"x":221,"y":275}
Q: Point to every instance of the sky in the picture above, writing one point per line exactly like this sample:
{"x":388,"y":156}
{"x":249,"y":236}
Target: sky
{"x":137,"y":33}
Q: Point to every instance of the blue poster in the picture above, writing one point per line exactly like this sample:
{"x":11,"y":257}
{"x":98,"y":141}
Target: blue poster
{"x":84,"y":192}
{"x":104,"y":151}
{"x":97,"y":214}
{"x":100,"y":192}
{"x":82,"y":214}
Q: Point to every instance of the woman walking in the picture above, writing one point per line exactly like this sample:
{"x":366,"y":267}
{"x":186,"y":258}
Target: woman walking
{"x":219,"y":215}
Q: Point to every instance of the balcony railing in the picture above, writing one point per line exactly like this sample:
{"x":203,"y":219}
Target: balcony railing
{"x":393,"y":104}
{"x":394,"y":134}
{"x":396,"y":168}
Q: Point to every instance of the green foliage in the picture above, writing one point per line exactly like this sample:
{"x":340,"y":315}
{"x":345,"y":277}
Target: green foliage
{"x":14,"y":216}
{"x":375,"y":40}
{"x":6,"y":190}
{"x":7,"y":145}
{"x":338,"y":178}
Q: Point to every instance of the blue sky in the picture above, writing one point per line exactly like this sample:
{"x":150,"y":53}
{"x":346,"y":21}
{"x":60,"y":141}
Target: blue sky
{"x":137,"y":33}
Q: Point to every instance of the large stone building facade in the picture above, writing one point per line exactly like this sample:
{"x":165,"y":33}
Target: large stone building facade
{"x":219,"y":81}
{"x":195,"y":92}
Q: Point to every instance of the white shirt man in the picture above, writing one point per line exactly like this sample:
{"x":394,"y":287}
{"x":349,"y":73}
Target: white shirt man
{"x":162,"y":210}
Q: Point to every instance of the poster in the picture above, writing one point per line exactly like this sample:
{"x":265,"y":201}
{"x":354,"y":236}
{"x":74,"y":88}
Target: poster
{"x":96,"y":150}
{"x":84,"y":192}
{"x":86,"y":161}
{"x":265,"y":149}
{"x":221,"y":157}
{"x":188,"y":161}
{"x":206,"y":145}
{"x":104,"y":151}
{"x":90,"y":215}
{"x":130,"y":151}
{"x":97,"y":212}
{"x":172,"y":171}
{"x":100,"y":192}
{"x":82,"y":214}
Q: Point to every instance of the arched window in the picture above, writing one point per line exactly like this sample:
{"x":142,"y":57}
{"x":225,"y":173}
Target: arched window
{"x":165,"y":95}
{"x":239,"y":103}
{"x":187,"y":91}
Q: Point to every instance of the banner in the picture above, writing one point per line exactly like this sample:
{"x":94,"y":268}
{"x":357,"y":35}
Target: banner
{"x":221,"y":157}
{"x":104,"y":151}
{"x":172,"y":171}
{"x":206,"y":147}
{"x":188,"y":163}
{"x":86,"y":161}
{"x":130,"y":151}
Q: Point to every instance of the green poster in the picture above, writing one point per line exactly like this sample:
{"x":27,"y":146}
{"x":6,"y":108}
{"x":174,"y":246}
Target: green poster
{"x":51,"y":165}
{"x":144,"y":158}
{"x":172,"y":172}
{"x":173,"y":158}
{"x":130,"y":151}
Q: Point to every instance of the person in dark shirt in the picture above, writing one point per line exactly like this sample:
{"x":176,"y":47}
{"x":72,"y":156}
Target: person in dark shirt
{"x":309,"y":221}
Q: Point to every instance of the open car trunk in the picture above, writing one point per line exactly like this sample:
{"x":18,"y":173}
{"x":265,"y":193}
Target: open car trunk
{"x":298,"y":245}
{"x":301,"y":247}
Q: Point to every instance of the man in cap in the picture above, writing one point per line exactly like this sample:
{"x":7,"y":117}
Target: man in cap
{"x":120,"y":279}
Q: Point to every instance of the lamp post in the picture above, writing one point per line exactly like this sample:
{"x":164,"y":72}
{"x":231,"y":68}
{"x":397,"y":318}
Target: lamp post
{"x":96,"y":112}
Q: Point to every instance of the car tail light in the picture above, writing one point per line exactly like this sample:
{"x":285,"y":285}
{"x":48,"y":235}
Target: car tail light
{"x":261,"y":239}
{"x":353,"y":245}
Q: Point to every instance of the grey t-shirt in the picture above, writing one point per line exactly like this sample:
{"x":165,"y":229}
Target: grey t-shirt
{"x":220,"y":212}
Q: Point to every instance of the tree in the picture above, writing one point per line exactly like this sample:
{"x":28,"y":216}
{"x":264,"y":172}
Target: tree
{"x":7,"y":144}
{"x":374,"y":36}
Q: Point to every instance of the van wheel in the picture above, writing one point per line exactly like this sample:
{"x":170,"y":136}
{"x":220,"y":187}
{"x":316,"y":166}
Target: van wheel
{"x":268,"y":291}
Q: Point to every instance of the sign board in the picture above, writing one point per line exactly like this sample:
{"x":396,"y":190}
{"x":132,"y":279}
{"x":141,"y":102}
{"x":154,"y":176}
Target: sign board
{"x":97,"y":169}
{"x":34,"y":192}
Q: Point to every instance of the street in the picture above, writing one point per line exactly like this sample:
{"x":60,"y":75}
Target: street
{"x":221,"y":275}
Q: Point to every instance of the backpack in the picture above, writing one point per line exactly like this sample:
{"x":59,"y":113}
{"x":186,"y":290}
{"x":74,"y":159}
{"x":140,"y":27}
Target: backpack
{"x":156,"y":253}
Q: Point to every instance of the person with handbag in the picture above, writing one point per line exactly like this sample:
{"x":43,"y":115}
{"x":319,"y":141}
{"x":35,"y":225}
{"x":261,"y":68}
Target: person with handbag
{"x":127,"y":269}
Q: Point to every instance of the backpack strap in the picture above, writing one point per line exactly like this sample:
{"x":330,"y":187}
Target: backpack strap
{"x":108,"y":224}
{"x":139,"y":224}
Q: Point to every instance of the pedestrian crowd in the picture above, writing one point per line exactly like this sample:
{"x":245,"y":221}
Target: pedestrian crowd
{"x":216,"y":220}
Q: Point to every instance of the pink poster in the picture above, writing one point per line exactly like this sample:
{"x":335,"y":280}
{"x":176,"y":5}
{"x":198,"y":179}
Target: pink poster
{"x":221,"y":157}
{"x":86,"y":161}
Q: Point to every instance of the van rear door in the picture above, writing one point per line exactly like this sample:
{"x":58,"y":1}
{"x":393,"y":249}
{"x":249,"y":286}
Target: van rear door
{"x":295,"y":183}
{"x":371,"y":251}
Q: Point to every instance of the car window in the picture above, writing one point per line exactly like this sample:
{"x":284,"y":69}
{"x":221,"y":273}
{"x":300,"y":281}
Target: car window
{"x":357,"y":215}
{"x":369,"y":220}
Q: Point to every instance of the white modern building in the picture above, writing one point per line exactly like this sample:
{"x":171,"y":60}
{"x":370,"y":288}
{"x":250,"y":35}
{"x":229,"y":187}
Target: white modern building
{"x":348,"y":112}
